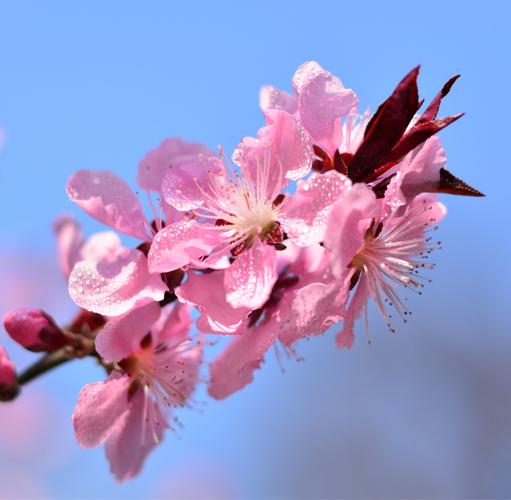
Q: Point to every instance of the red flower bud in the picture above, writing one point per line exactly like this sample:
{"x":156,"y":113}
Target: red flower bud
{"x":34,"y":330}
{"x":8,"y":385}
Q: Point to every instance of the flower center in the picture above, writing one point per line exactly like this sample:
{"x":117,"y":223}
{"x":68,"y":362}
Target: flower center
{"x":245,"y":203}
{"x":394,"y":254}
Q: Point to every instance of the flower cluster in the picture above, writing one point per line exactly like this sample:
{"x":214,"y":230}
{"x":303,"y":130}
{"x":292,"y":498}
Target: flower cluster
{"x":323,"y":210}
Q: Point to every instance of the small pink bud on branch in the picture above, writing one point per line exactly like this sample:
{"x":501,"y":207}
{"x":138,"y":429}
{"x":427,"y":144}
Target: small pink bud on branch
{"x":8,"y":383}
{"x":35,"y":330}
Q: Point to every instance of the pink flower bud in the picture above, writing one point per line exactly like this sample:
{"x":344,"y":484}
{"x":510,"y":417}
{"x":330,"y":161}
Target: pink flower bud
{"x":34,"y":330}
{"x":8,"y":385}
{"x":7,"y":369}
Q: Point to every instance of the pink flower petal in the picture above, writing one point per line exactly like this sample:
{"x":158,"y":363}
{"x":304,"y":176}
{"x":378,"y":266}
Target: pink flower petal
{"x":418,"y":172}
{"x":217,"y":315}
{"x":70,"y":241}
{"x":314,"y":309}
{"x":100,"y":409}
{"x":282,"y":148}
{"x":182,"y":243}
{"x":272,"y":98}
{"x":104,"y":245}
{"x":108,"y":198}
{"x":322,"y":99}
{"x":234,"y":368}
{"x":173,"y":325}
{"x":304,"y":216}
{"x":250,"y":279}
{"x":121,"y":337}
{"x":184,"y":185}
{"x":114,"y":286}
{"x":347,"y":223}
{"x":157,"y":163}
{"x":138,"y":432}
{"x":345,"y":338}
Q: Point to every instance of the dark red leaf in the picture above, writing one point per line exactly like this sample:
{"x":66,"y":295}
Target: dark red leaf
{"x":342,"y":161}
{"x":418,"y":134}
{"x":425,"y":127}
{"x":450,"y":184}
{"x":432,"y":110}
{"x":386,"y":127}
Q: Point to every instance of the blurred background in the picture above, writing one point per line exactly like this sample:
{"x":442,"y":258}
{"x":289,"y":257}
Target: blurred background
{"x":423,"y":413}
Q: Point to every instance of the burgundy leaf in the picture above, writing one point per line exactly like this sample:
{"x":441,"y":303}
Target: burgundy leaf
{"x":418,"y":134}
{"x":432,"y":110}
{"x":450,"y":184}
{"x":386,"y":127}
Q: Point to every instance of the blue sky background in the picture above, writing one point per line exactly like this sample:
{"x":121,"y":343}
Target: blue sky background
{"x":426,"y":412}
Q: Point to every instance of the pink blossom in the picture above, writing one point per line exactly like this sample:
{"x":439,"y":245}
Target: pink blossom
{"x":267,"y":263}
{"x":105,"y":277}
{"x":319,"y":103}
{"x":109,"y":199}
{"x":304,"y":301}
{"x":382,"y":251}
{"x":34,"y":329}
{"x":243,"y":212}
{"x":156,"y":372}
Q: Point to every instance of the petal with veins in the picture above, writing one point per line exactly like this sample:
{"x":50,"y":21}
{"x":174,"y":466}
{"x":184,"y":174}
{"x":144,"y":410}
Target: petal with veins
{"x":157,"y":163}
{"x":304,"y":216}
{"x":347,"y":223}
{"x":272,"y":98}
{"x":234,"y":368}
{"x":109,"y":199}
{"x":314,"y":308}
{"x":345,"y":338}
{"x":418,"y":172}
{"x":138,"y":432}
{"x":182,"y":243}
{"x":99,"y":410}
{"x":250,"y":279}
{"x":217,"y":315}
{"x":122,"y":336}
{"x":174,"y":325}
{"x":282,"y":147}
{"x":322,"y":98}
{"x":185,"y":185}
{"x":115,"y":285}
{"x":104,"y":245}
{"x":70,"y":241}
